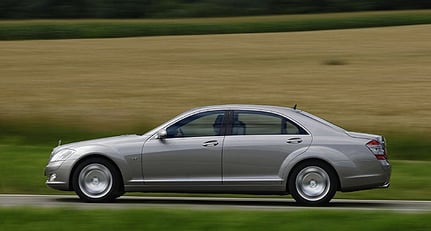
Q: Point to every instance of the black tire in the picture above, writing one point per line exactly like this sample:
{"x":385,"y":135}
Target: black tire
{"x":97,"y":180}
{"x":313,"y":183}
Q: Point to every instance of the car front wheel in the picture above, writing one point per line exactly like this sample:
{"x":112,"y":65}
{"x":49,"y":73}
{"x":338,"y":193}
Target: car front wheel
{"x":97,"y":180}
{"x":313,"y":183}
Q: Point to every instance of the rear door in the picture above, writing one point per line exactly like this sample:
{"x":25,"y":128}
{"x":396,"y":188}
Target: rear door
{"x":257,"y":146}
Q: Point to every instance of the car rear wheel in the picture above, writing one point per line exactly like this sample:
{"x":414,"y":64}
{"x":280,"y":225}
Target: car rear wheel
{"x":97,"y":180}
{"x":313,"y":183}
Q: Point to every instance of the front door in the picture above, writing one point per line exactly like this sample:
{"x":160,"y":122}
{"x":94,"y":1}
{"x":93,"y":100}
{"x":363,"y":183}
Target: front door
{"x":190,"y":154}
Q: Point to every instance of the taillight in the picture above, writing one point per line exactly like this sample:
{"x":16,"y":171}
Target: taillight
{"x":378,"y":149}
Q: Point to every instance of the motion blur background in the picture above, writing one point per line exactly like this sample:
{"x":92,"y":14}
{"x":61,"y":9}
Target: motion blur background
{"x":75,"y":70}
{"x":81,"y":69}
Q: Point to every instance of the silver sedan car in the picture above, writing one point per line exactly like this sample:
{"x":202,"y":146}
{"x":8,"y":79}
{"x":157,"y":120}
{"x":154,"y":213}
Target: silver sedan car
{"x":226,"y":149}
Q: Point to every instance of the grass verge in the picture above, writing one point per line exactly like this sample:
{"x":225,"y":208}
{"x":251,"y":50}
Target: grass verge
{"x":162,"y":219}
{"x":73,"y":29}
{"x":21,"y":168}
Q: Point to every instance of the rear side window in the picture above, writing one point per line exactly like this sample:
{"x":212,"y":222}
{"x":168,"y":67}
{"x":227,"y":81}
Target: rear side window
{"x":263,"y":123}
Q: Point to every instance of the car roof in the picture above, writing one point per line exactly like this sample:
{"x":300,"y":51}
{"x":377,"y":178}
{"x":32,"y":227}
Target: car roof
{"x":246,"y":107}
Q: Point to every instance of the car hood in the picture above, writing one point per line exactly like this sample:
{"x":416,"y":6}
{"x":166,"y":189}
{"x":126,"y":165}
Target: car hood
{"x":109,"y":141}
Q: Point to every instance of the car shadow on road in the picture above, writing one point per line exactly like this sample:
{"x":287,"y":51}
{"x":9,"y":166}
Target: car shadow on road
{"x":259,"y":202}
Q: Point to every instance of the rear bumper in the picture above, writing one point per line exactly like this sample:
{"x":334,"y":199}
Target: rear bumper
{"x":378,"y":178}
{"x":385,"y":185}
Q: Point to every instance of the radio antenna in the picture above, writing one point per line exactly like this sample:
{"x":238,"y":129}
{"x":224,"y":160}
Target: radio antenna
{"x":294,"y":107}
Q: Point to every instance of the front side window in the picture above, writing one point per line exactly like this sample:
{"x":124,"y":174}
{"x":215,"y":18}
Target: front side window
{"x":262,"y":123}
{"x":201,"y":124}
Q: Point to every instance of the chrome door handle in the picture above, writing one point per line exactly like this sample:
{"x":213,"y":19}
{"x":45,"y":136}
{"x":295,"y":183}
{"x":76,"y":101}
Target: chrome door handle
{"x":295,"y":140}
{"x":210,"y":143}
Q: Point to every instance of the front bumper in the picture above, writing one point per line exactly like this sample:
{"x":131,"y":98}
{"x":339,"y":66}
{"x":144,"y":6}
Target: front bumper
{"x":58,"y":175}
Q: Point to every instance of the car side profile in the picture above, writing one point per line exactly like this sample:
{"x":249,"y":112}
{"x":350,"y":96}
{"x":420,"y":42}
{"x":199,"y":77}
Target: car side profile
{"x":250,"y":149}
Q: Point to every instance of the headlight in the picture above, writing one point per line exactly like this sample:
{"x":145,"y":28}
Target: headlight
{"x":61,"y":155}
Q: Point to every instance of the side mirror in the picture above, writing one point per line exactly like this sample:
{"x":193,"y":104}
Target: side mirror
{"x":162,"y":134}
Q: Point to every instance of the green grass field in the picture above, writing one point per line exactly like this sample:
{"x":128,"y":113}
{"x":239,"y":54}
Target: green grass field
{"x":162,"y":219}
{"x":21,"y":168}
{"x":67,"y":29}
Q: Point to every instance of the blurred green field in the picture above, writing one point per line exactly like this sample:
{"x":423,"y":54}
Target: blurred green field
{"x":67,"y":29}
{"x":178,"y":219}
{"x":21,"y":168}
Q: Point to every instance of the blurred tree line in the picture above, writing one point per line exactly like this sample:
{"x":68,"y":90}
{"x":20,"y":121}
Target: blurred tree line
{"x":24,"y":9}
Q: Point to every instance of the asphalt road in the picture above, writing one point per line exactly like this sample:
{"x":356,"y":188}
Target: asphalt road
{"x":9,"y":200}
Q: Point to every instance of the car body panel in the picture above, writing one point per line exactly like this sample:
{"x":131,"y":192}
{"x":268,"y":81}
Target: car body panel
{"x":258,"y":159}
{"x":183,"y":160}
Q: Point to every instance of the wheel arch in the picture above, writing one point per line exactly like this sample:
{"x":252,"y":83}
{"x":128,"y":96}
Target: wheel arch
{"x":332,"y":157}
